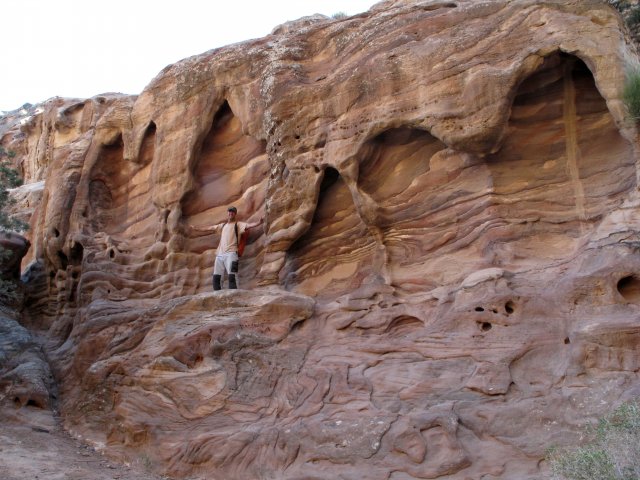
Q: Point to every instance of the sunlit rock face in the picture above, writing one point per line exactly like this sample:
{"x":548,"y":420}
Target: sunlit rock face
{"x":448,"y":281}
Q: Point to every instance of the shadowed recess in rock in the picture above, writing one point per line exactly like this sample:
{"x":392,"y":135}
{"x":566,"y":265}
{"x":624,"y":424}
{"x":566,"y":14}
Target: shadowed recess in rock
{"x":404,"y":325}
{"x":562,"y":165}
{"x":335,"y":255}
{"x":629,"y":288}
{"x":399,"y":183}
{"x":230,"y":169}
{"x":394,"y":171}
{"x":122,"y":219}
{"x":73,"y":121}
{"x":120,"y":194}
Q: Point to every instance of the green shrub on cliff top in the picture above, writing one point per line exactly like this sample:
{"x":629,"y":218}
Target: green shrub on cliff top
{"x":612,"y":454}
{"x":631,"y":93}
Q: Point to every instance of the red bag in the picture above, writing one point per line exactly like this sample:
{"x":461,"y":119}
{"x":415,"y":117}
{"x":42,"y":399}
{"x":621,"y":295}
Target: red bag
{"x":242,"y":240}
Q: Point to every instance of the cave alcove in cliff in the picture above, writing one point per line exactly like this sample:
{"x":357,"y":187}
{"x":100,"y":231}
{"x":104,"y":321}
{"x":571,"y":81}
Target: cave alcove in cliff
{"x":230,"y":168}
{"x":391,"y":164}
{"x":563,"y":164}
{"x":120,"y":209}
{"x":120,"y":193}
{"x":335,"y":254}
{"x":395,"y":172}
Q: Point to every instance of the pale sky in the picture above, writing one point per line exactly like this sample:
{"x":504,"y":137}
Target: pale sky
{"x":81,"y":48}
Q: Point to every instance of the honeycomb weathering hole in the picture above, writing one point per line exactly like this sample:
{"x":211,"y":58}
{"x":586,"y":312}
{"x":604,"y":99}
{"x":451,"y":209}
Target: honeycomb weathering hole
{"x":509,"y":307}
{"x":629,"y":288}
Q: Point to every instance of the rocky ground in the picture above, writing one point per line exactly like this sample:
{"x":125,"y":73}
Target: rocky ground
{"x":34,"y":446}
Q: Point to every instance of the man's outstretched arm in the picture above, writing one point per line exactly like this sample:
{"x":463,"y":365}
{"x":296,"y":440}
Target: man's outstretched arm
{"x":211,"y":228}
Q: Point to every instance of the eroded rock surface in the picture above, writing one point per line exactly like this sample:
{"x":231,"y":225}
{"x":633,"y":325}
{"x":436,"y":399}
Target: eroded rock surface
{"x":449,"y":278}
{"x":25,"y":377}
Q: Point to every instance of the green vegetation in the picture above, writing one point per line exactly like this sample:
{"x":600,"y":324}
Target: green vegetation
{"x":339,"y":15}
{"x":634,"y":16}
{"x":9,"y":178}
{"x":619,"y":5}
{"x":631,"y":93}
{"x":613,"y":452}
{"x":630,"y":12}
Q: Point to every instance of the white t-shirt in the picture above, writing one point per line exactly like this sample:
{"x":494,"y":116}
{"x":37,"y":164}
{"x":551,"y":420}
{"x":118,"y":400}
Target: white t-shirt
{"x":228,"y":241}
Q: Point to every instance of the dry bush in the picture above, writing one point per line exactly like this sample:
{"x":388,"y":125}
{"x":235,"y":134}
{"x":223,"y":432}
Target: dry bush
{"x":613,"y":452}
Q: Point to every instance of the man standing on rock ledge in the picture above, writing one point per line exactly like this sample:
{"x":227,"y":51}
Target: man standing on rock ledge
{"x":227,"y":252}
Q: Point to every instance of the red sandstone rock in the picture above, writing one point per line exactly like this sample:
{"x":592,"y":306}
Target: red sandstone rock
{"x":448,"y":282}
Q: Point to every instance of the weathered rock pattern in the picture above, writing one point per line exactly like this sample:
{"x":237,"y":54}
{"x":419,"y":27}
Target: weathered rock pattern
{"x":449,"y":278}
{"x":25,"y":376}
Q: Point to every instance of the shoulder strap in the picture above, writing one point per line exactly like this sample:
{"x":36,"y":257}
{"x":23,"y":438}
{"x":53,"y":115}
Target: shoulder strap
{"x":236,"y":229}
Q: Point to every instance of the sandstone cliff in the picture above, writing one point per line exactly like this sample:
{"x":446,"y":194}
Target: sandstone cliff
{"x":449,"y":277}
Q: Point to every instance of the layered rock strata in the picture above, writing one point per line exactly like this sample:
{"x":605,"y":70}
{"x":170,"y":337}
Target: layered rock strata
{"x":448,"y":282}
